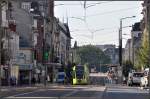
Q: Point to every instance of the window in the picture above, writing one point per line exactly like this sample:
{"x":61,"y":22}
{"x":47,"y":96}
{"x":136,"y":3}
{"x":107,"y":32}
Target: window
{"x":26,"y":6}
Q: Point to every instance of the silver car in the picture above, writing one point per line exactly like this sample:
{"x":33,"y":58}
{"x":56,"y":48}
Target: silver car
{"x":137,"y":78}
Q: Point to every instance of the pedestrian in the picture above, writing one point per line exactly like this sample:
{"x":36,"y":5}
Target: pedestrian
{"x":11,"y":80}
{"x":14,"y":81}
{"x":109,"y":75}
{"x":33,"y":80}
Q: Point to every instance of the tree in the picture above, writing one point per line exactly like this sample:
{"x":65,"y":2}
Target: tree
{"x":143,"y":52}
{"x":92,"y":55}
{"x":127,"y":66}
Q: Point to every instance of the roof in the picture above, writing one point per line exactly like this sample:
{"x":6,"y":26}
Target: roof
{"x":64,"y":28}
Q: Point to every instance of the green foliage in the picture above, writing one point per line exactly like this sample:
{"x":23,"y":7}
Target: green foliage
{"x":143,"y":52}
{"x":127,"y":66}
{"x":92,"y":55}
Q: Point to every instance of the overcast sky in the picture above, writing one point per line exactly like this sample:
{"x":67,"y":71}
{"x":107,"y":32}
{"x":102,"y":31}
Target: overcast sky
{"x":104,"y":17}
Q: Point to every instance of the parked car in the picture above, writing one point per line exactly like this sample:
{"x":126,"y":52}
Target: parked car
{"x":146,"y":71}
{"x":137,"y":78}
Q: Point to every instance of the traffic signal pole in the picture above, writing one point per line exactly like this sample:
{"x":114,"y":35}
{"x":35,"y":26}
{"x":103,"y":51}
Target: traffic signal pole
{"x":0,"y":44}
{"x":120,"y":52}
{"x":148,"y":26}
{"x":43,"y":58}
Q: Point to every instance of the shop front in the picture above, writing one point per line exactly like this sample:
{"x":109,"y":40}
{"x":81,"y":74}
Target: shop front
{"x":25,"y":74}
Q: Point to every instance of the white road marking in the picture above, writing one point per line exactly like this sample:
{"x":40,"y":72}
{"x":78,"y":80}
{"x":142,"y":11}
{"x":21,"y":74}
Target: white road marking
{"x":71,"y":93}
{"x":126,"y":90}
{"x":25,"y":93}
{"x":95,"y":89}
{"x":32,"y":98}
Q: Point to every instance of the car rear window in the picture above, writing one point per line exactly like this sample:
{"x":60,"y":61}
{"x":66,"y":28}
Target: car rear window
{"x":138,"y":74}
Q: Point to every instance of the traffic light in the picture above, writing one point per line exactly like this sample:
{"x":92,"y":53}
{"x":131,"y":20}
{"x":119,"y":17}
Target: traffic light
{"x":46,"y":55}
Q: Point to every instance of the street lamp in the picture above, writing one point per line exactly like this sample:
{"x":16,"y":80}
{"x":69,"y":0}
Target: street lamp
{"x":120,"y":40}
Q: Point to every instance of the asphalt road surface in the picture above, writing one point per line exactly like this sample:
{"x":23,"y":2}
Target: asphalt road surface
{"x":80,"y":92}
{"x":73,"y":92}
{"x":124,"y":92}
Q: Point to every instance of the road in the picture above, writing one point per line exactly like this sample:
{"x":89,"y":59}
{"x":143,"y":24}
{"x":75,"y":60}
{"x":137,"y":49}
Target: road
{"x":62,"y":92}
{"x":81,"y":92}
{"x":124,"y":92}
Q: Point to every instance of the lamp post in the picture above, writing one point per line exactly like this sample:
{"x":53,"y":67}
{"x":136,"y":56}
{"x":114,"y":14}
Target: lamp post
{"x":148,"y":26}
{"x":120,"y":41}
{"x":0,"y":43}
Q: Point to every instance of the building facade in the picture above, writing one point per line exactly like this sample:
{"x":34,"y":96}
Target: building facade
{"x":25,"y":63}
{"x":127,"y":51}
{"x":111,"y":51}
{"x":10,"y":43}
{"x":136,"y":40}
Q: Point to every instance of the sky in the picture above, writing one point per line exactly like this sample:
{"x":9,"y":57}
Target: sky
{"x":99,"y":23}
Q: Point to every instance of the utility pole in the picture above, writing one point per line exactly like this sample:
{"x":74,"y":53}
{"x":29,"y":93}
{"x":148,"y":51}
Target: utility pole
{"x":132,"y":40}
{"x":0,"y":43}
{"x":51,"y":17}
{"x":148,"y":26}
{"x":120,"y":52}
{"x":44,"y":45}
{"x":9,"y":49}
{"x":120,"y":43}
{"x":9,"y":58}
{"x":129,"y":49}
